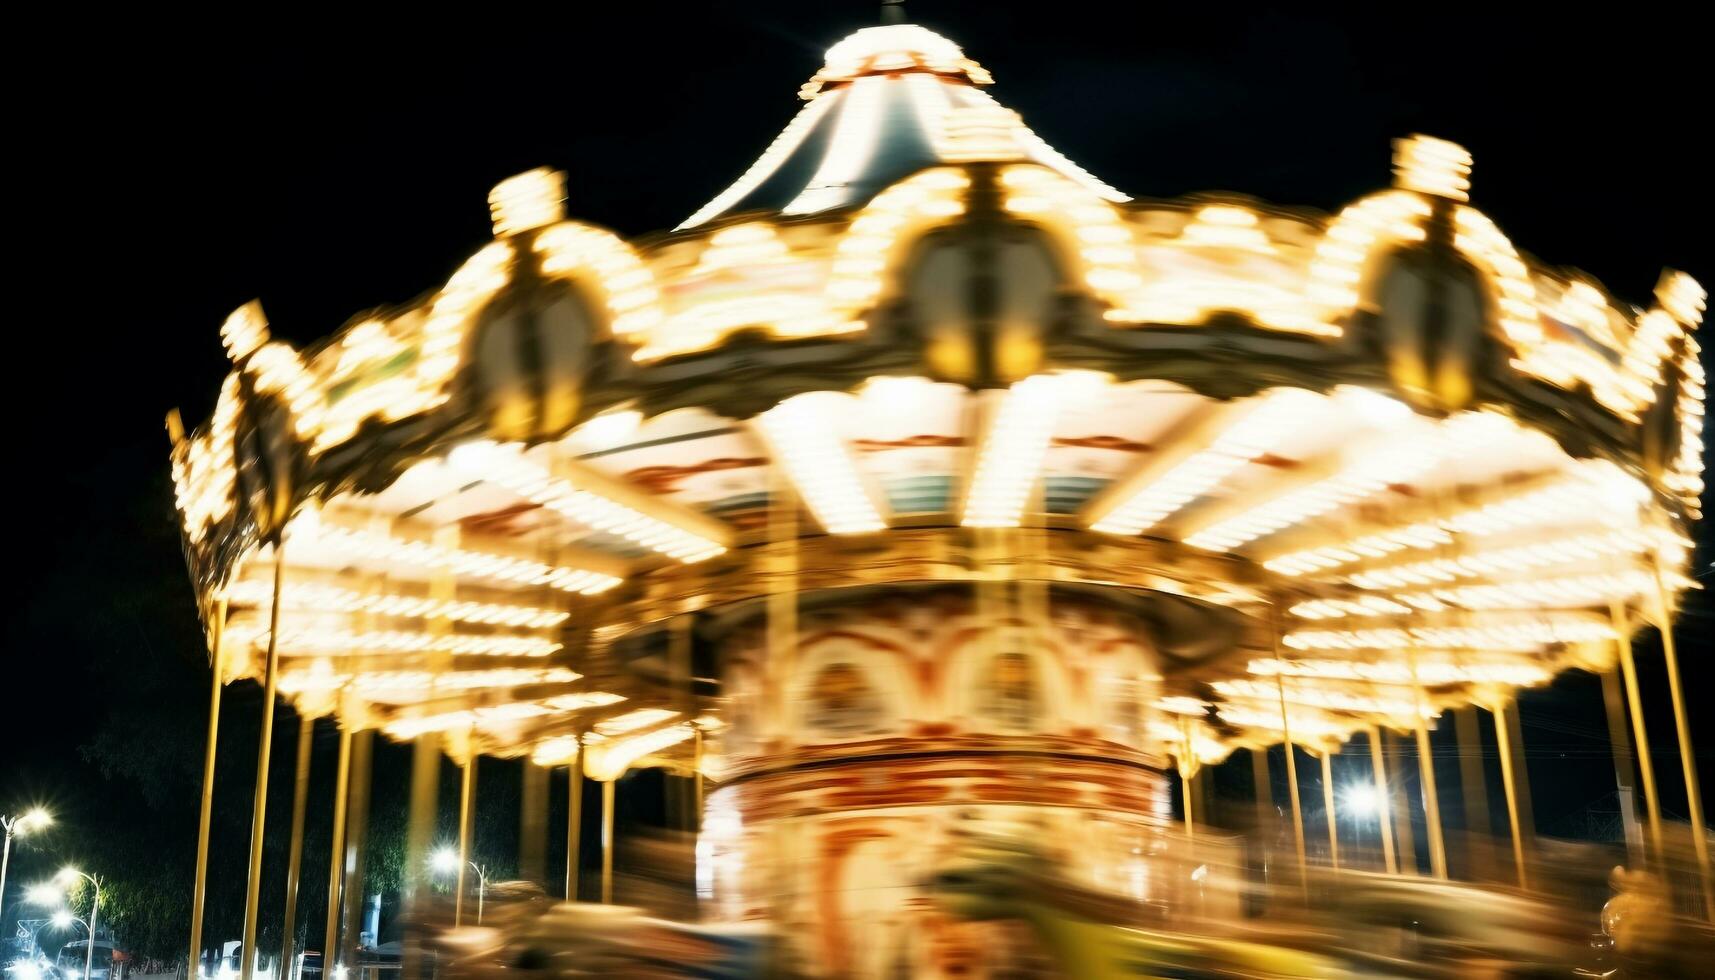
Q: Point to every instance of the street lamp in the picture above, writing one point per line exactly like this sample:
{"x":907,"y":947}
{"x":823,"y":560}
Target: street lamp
{"x":54,"y":893}
{"x":22,"y":823}
{"x":446,"y":861}
{"x":1361,"y":799}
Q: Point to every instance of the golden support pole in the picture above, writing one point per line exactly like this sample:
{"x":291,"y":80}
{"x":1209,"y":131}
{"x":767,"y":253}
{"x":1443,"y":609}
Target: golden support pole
{"x":1510,"y":783}
{"x":1185,"y":791}
{"x":1328,"y":804}
{"x":533,"y":823}
{"x":607,"y":842}
{"x":574,"y":823}
{"x":341,"y":786}
{"x":1687,"y":755}
{"x":1384,"y":800}
{"x":199,"y":890}
{"x":1292,"y":779}
{"x":1614,"y":706}
{"x":1400,"y":805}
{"x":259,"y":808}
{"x":697,"y":779}
{"x":1640,"y":734}
{"x":295,"y":858}
{"x":356,"y":844}
{"x":1473,"y":793}
{"x":1263,"y":789}
{"x":1426,"y":775}
{"x":419,"y":830}
{"x":466,"y":792}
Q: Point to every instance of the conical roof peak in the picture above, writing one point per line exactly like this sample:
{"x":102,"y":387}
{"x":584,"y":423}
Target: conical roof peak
{"x":888,"y":101}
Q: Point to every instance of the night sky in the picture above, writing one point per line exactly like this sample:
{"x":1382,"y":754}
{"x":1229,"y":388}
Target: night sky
{"x":178,"y":168}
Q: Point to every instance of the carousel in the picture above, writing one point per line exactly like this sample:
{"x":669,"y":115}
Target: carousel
{"x":922,"y":484}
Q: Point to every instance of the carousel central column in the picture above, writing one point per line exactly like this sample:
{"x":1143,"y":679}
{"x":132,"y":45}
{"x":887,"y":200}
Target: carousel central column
{"x":915,"y":722}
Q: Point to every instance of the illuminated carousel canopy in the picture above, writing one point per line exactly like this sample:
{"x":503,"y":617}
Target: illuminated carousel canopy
{"x":1424,"y":462}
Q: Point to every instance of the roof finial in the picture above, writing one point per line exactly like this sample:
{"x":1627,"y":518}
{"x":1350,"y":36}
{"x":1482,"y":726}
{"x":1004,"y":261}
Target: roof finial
{"x":893,"y":11}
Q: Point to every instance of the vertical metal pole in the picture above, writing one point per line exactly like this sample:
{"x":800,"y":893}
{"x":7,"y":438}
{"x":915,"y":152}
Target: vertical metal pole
{"x":1426,"y":775}
{"x":1431,"y":804}
{"x":1400,"y":804}
{"x":1521,"y":778}
{"x":1640,"y":734}
{"x":341,"y":785}
{"x":1328,"y":804}
{"x":295,"y":852}
{"x":1508,"y":781}
{"x":259,"y":808}
{"x":356,"y":845}
{"x":1614,"y":704}
{"x":1292,"y":778}
{"x":697,"y":779}
{"x":419,"y":830}
{"x":466,"y":790}
{"x":1263,"y":789}
{"x":607,"y":842}
{"x":1384,"y":800}
{"x":1473,"y":792}
{"x":533,"y":824}
{"x":1186,"y":775}
{"x":574,"y":823}
{"x":1687,"y":754}
{"x":199,"y":890}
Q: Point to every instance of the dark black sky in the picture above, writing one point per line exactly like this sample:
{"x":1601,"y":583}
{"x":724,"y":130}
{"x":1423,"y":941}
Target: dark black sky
{"x":177,"y":167}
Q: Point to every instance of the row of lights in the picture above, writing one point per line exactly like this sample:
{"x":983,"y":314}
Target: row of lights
{"x":498,"y":714}
{"x":1514,"y":558}
{"x":1520,"y":634}
{"x":1009,"y":463}
{"x":333,"y":599}
{"x":506,"y":466}
{"x":380,"y":546}
{"x":331,"y":640}
{"x":804,"y":432}
{"x":1429,"y":672}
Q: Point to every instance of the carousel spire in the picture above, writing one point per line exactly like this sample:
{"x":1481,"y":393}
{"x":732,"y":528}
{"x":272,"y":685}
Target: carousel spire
{"x":880,"y":109}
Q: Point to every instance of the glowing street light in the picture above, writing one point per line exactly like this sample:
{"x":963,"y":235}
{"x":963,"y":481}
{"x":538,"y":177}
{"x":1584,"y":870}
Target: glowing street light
{"x":446,"y":861}
{"x":55,"y":893}
{"x":35,"y":819}
{"x":1361,"y":799}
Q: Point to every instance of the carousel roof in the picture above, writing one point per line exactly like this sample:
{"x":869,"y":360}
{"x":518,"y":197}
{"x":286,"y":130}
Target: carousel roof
{"x":890,"y":101}
{"x":1428,"y":464}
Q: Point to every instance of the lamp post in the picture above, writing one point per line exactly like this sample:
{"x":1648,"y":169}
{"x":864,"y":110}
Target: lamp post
{"x":446,"y":861}
{"x":54,"y":893}
{"x":22,"y":823}
{"x":65,"y":879}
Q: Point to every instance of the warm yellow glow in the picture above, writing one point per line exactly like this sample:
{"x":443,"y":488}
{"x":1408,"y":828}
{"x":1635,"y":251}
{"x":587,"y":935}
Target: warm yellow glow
{"x":1330,"y":699}
{"x":1592,"y":490}
{"x":1304,"y":724}
{"x":244,"y":330}
{"x":1477,"y":238}
{"x":571,"y":250}
{"x":1159,"y":493}
{"x":1432,"y":166}
{"x":449,"y":314}
{"x":376,"y":545}
{"x":1399,"y":671}
{"x":333,"y":599}
{"x":857,"y":133}
{"x":864,"y":252}
{"x":1009,"y":462}
{"x":1406,"y":448}
{"x":1339,"y":264}
{"x":527,"y":201}
{"x":205,"y":468}
{"x":980,"y":133}
{"x":499,"y":714}
{"x":588,"y":498}
{"x":1487,"y":632}
{"x":322,"y":677}
{"x":316,"y":640}
{"x":557,"y":751}
{"x":1512,"y":558}
{"x":607,"y":759}
{"x":804,"y":433}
